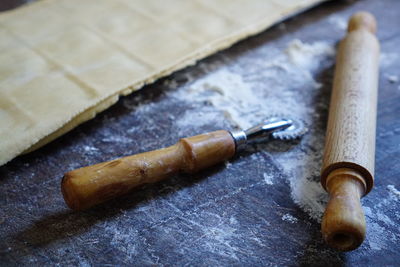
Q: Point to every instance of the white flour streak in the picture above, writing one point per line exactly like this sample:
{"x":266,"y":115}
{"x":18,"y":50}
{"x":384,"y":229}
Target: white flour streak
{"x":387,"y":59}
{"x":378,"y":235}
{"x":392,"y":78}
{"x":394,"y":192}
{"x":377,"y":221}
{"x":199,"y":118}
{"x":268,"y":179}
{"x":244,"y":102}
{"x":90,"y":148}
{"x":228,"y":93}
{"x":304,"y":55}
{"x":116,"y":139}
{"x":289,"y":218}
{"x":339,"y":22}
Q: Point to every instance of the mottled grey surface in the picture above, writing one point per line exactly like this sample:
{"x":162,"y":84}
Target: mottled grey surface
{"x":227,"y":215}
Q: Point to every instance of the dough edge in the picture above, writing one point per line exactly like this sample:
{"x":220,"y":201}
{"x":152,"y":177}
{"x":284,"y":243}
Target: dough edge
{"x":93,"y":109}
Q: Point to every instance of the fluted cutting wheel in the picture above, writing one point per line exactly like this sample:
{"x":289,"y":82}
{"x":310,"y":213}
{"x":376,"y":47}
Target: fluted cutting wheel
{"x":296,"y":130}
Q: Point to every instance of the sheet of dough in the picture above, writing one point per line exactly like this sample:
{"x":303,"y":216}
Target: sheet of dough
{"x":63,"y":61}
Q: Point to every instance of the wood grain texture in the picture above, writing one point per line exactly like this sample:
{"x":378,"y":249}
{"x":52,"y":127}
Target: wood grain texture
{"x":91,"y":185}
{"x":350,"y":136}
{"x":343,"y":226}
{"x":349,"y":158}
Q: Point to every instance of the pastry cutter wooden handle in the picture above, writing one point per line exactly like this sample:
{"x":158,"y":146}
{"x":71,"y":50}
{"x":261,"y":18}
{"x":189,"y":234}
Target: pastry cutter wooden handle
{"x":348,"y":165}
{"x":88,"y":186}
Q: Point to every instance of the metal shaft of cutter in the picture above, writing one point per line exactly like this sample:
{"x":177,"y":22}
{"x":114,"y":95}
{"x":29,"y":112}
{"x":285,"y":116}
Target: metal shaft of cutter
{"x":259,"y":131}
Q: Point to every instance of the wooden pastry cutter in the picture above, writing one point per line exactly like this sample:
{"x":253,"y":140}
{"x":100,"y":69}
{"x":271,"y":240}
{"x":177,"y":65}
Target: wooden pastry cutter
{"x":85,"y":187}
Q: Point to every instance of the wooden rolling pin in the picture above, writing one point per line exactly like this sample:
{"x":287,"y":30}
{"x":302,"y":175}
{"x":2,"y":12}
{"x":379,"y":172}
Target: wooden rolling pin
{"x":348,"y":164}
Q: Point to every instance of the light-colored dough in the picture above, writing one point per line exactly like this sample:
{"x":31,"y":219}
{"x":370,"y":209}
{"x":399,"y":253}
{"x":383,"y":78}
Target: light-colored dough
{"x":64,"y":61}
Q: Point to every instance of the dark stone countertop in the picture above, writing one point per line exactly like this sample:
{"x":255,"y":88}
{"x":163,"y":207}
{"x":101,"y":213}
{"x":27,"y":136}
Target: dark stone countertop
{"x":226,"y":215}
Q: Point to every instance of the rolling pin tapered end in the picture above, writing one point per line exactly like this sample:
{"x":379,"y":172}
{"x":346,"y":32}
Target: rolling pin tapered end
{"x":362,"y":20}
{"x":343,"y":224}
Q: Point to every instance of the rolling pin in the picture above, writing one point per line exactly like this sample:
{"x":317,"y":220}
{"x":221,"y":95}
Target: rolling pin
{"x":349,"y":156}
{"x":88,"y":186}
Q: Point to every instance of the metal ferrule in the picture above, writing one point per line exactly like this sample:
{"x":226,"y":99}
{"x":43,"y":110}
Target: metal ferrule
{"x":240,"y":139}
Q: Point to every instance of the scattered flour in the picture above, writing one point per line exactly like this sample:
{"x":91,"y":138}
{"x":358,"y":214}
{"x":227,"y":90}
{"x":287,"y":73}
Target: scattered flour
{"x":268,"y":179}
{"x":116,"y":139}
{"x":227,"y":92}
{"x":394,"y":192}
{"x":224,"y":95}
{"x":90,"y":148}
{"x":122,"y":239}
{"x":245,"y":102}
{"x":387,"y":59}
{"x":303,"y":169}
{"x":305,"y":56}
{"x":378,"y":222}
{"x":228,"y":164}
{"x":377,"y":235}
{"x":379,"y":216}
{"x":339,"y":22}
{"x":196,"y":119}
{"x":289,"y":218}
{"x":392,"y":78}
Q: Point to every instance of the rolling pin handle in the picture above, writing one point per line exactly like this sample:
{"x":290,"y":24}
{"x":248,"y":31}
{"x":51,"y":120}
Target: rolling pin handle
{"x":343,"y":224}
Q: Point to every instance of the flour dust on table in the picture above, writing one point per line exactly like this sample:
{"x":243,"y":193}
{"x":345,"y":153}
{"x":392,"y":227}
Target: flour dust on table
{"x":229,"y":96}
{"x":226,"y":96}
